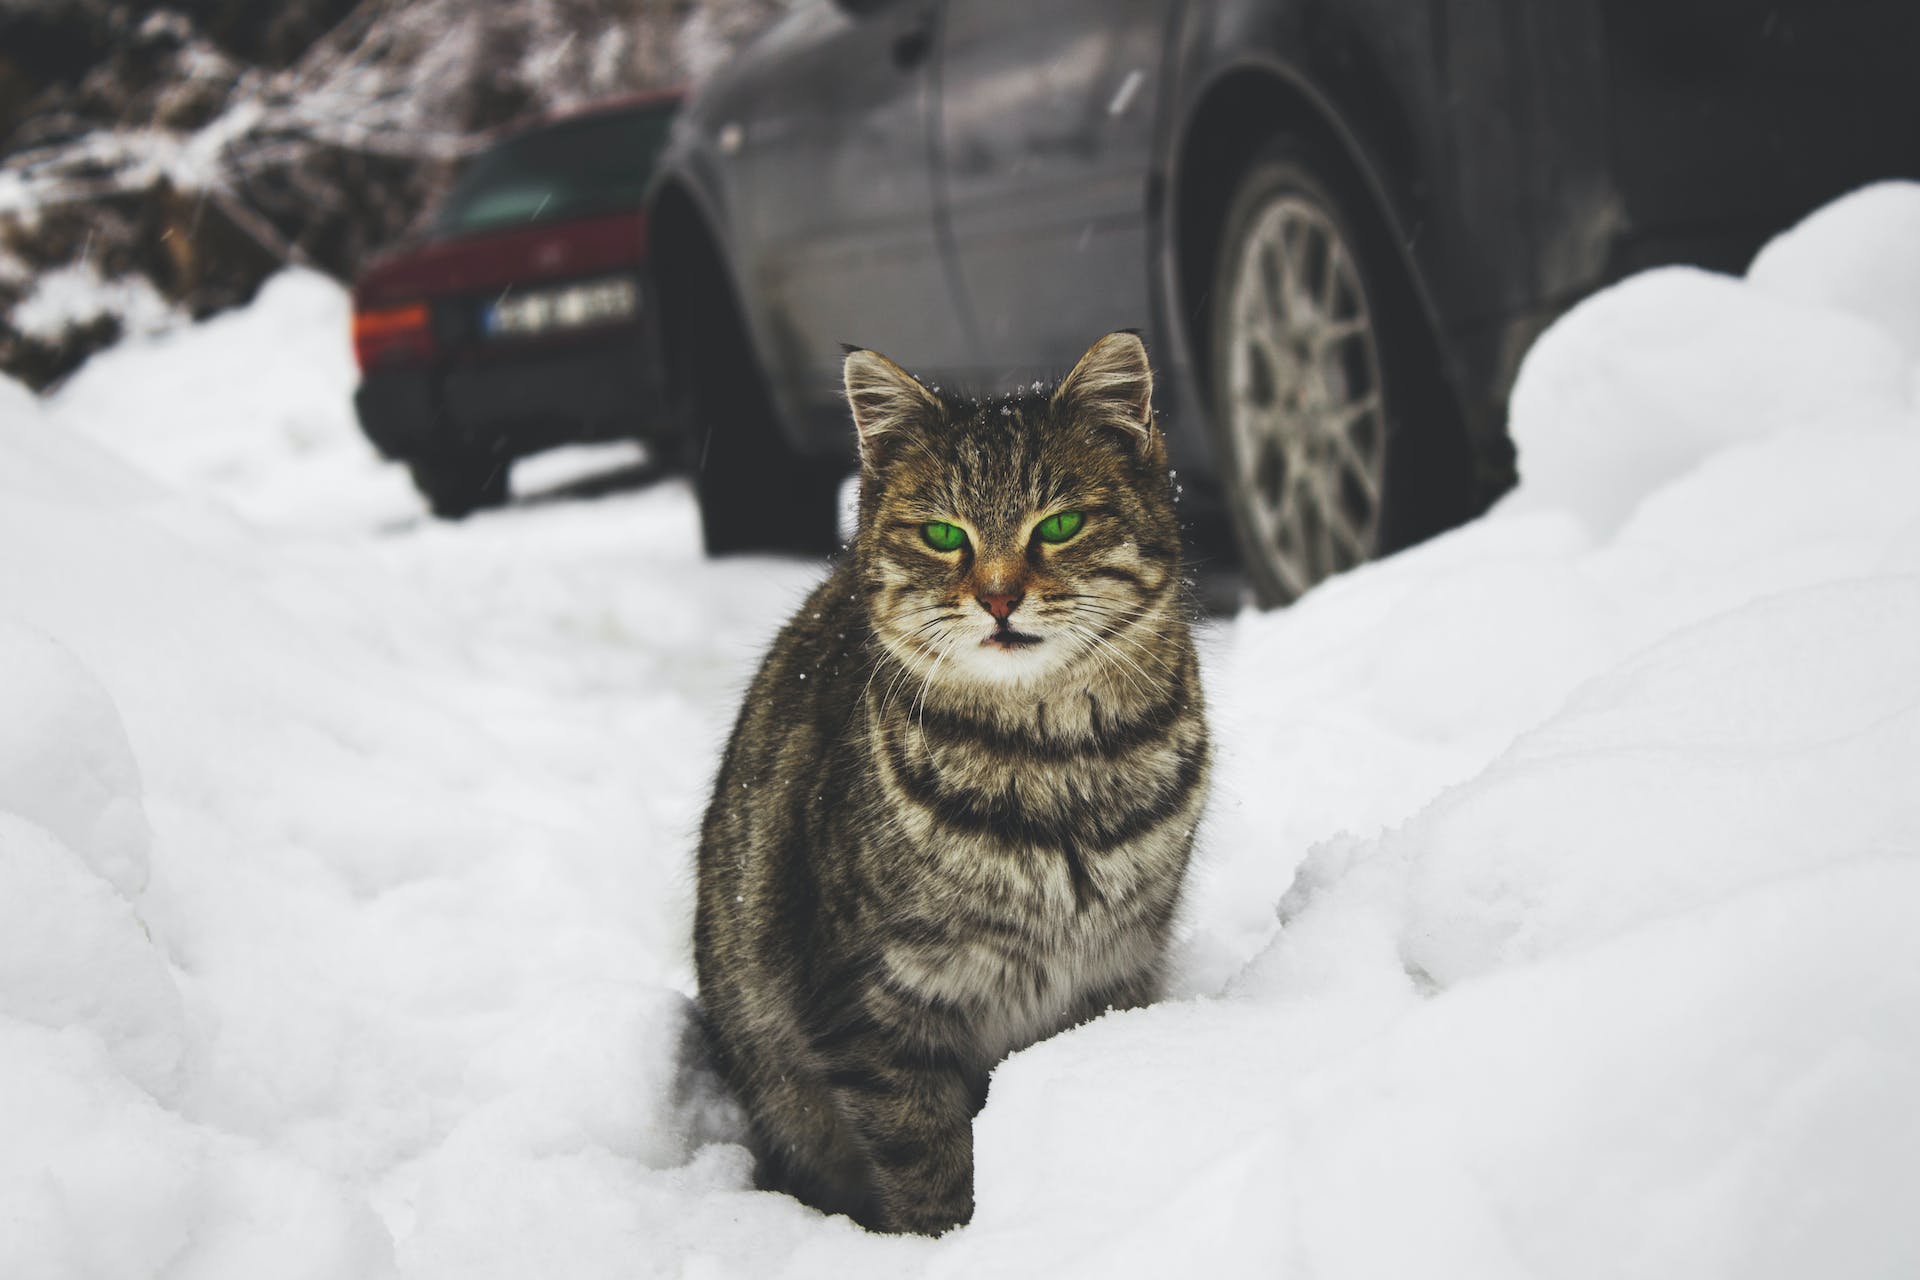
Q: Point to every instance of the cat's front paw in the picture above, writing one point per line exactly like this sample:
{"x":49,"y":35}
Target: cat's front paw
{"x":929,"y":1218}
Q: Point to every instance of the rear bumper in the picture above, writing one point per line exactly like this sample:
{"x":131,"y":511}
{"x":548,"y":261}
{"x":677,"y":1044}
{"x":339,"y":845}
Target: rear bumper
{"x":509,"y":402}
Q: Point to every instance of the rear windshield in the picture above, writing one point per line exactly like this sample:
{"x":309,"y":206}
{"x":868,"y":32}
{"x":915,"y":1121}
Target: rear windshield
{"x":597,"y":164}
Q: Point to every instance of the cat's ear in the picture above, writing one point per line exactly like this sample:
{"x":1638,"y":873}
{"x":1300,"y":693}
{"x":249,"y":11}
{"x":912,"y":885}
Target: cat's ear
{"x":885,"y":400}
{"x":1113,"y":386}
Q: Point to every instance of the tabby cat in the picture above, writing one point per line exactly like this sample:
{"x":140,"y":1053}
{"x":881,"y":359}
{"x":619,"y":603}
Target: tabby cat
{"x":958,"y":804}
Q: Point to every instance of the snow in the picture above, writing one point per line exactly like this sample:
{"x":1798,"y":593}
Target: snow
{"x":1630,"y":393}
{"x":76,"y":294}
{"x":1857,"y":255}
{"x":253,"y":407}
{"x":1552,"y":916}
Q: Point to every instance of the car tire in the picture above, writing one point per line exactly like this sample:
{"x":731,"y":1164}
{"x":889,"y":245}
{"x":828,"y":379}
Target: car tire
{"x":456,"y":486}
{"x":756,"y":492}
{"x":1318,"y":358}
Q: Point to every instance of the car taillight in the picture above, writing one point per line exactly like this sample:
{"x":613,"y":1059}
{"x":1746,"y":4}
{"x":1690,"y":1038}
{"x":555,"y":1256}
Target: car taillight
{"x":392,"y":335}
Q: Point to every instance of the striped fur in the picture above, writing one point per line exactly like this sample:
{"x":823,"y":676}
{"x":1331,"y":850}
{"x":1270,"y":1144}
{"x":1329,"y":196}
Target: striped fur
{"x":925,"y":850}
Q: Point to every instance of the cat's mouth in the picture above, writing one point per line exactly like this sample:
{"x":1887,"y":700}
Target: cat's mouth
{"x":1009,"y":639}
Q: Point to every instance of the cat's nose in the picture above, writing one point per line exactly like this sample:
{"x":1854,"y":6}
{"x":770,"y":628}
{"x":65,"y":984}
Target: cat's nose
{"x":1000,"y":605}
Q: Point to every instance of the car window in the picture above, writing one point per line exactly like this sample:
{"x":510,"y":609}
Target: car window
{"x":597,"y":164}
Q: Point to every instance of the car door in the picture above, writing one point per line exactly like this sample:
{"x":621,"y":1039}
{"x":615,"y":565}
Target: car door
{"x":1047,"y":113}
{"x":837,"y":199}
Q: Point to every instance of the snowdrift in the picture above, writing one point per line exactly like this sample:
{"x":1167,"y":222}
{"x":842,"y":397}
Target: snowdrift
{"x":1552,"y":917}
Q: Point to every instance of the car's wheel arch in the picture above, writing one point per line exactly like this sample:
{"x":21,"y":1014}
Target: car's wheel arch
{"x":693,"y":274}
{"x":683,"y":258}
{"x":1214,"y":148}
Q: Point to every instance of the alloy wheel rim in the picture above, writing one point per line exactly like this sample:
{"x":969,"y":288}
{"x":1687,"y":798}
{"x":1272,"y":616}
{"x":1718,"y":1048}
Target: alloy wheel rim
{"x":1305,"y":411}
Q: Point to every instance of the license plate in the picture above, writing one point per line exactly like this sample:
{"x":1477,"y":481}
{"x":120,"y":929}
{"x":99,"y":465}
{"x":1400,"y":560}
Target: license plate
{"x":574,"y":306}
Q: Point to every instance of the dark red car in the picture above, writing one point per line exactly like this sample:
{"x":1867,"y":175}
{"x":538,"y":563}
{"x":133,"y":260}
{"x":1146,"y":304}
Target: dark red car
{"x":518,"y":319}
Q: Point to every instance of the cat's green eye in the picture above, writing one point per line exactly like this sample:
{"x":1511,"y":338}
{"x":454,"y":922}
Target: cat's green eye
{"x":942,"y":536}
{"x":1060,"y":526}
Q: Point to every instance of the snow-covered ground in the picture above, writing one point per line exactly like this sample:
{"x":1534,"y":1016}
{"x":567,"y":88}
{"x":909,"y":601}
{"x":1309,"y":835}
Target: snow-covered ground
{"x":1554,"y":917}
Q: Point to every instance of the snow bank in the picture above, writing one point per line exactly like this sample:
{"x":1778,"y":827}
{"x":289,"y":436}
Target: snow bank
{"x":1632,"y":390}
{"x":102,"y":1172}
{"x":1633,"y":995}
{"x":1857,"y":255}
{"x":64,"y":759}
{"x":342,"y":922}
{"x":1551,"y":920}
{"x":253,"y":408}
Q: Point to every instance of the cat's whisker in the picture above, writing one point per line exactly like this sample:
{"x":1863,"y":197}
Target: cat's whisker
{"x":904,"y":674}
{"x":1099,"y":646}
{"x":921,"y":702}
{"x":1116,"y":636}
{"x":1110,"y":619}
{"x":881,"y":659}
{"x":1148,"y":653}
{"x":901,"y":671}
{"x":929,"y":608}
{"x":1163,"y":664}
{"x":925,"y":648}
{"x":1122,"y":618}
